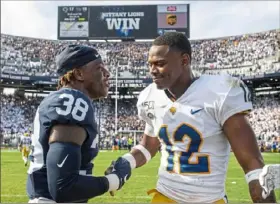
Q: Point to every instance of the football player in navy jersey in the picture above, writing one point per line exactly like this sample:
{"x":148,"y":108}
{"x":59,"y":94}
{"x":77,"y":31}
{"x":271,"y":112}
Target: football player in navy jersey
{"x":65,"y":134}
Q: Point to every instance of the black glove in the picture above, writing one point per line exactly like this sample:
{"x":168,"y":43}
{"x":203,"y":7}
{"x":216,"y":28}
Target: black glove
{"x":121,"y":168}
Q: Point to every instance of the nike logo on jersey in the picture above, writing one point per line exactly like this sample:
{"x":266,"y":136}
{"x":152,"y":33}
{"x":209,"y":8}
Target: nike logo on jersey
{"x":195,"y":111}
{"x":97,"y":55}
{"x":62,"y":163}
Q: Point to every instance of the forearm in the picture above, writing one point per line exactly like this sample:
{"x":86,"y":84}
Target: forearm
{"x":143,"y":152}
{"x":244,"y":145}
{"x":139,"y":157}
{"x":65,"y":183}
{"x":77,"y":188}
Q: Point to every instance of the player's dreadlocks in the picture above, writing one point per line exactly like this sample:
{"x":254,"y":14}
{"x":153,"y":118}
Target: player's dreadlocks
{"x":176,"y":41}
{"x":65,"y":79}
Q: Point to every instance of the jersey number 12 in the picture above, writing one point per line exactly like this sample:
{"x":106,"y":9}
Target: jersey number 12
{"x":190,"y":161}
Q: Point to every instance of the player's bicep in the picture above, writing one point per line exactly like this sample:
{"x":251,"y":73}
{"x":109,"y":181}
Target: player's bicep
{"x":243,"y":142}
{"x":68,"y":133}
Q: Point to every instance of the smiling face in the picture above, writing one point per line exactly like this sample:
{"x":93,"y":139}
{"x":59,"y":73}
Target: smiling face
{"x":166,"y":65}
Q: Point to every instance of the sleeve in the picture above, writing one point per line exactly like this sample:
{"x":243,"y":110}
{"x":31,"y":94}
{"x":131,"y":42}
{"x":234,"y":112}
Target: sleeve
{"x":71,"y":108}
{"x":235,"y":99}
{"x":143,"y":115}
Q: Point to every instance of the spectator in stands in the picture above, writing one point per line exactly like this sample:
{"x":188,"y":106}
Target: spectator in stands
{"x":17,"y":115}
{"x":243,"y":55}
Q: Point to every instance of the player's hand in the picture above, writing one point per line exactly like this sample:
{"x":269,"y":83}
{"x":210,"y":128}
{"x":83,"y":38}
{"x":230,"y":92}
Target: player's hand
{"x":122,"y":169}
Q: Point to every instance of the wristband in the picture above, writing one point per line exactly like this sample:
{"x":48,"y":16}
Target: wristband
{"x":145,"y":152}
{"x":114,"y":182}
{"x":130,"y":158}
{"x":253,"y":175}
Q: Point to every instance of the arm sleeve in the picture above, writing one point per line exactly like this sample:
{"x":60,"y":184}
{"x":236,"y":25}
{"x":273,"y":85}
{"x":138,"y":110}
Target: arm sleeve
{"x":236,"y":99}
{"x":64,"y":182}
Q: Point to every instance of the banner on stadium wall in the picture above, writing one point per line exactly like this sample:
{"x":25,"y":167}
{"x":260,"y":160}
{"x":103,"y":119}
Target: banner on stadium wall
{"x":32,"y":79}
{"x":121,"y":22}
{"x":122,"y":82}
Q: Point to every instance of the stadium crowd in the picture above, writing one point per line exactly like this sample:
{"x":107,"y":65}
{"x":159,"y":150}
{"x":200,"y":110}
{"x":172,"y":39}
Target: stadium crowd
{"x":17,"y":116}
{"x":243,"y":55}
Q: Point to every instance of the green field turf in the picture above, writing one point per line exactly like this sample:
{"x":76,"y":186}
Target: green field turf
{"x":13,"y":178}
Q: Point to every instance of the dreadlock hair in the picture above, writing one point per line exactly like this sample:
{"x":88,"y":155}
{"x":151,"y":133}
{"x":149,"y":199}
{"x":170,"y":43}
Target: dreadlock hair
{"x":175,"y":40}
{"x":66,"y":79}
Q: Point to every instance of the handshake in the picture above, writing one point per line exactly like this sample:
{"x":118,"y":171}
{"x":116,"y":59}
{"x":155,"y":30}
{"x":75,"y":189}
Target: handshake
{"x":118,"y":173}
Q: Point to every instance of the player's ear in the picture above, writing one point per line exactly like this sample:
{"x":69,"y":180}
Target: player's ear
{"x":79,"y":75}
{"x":186,"y":59}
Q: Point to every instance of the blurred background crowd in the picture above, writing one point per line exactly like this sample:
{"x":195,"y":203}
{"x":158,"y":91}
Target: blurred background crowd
{"x":246,"y":55}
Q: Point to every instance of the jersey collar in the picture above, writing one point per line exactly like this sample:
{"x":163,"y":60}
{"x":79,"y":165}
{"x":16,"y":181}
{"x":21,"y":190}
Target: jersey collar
{"x":172,"y":98}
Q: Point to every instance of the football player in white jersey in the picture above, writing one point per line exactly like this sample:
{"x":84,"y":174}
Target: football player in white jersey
{"x":196,"y":122}
{"x":25,"y":147}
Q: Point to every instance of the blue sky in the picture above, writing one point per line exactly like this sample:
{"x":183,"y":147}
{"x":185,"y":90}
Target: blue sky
{"x":208,"y":19}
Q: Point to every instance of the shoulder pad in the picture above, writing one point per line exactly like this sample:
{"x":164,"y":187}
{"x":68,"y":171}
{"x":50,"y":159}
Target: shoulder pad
{"x":144,"y":95}
{"x":67,"y":106}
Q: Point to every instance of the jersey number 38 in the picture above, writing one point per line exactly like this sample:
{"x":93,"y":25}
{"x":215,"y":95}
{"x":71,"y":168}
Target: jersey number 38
{"x":80,"y":107}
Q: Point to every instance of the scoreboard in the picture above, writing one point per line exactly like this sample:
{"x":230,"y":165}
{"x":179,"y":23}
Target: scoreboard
{"x":122,"y":22}
{"x":73,"y":22}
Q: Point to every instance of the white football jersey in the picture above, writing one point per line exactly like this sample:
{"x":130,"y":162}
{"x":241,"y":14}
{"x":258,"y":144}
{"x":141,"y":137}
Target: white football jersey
{"x":195,"y":151}
{"x":25,"y":141}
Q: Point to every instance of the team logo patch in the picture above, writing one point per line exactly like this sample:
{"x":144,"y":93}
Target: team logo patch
{"x":173,"y":110}
{"x":171,"y":19}
{"x":148,"y":105}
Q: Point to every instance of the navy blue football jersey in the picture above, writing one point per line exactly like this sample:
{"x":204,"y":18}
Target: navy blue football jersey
{"x":65,"y":106}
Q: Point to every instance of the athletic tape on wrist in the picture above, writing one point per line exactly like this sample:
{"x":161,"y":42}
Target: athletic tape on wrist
{"x":130,"y":158}
{"x":145,"y":152}
{"x":114,"y":182}
{"x":253,"y":175}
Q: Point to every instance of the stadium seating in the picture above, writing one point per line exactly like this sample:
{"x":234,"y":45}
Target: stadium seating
{"x":244,"y":55}
{"x":17,"y":117}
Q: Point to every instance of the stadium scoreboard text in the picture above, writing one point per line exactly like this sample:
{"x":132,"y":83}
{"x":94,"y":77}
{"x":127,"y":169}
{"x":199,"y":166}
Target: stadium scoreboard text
{"x":121,"y":22}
